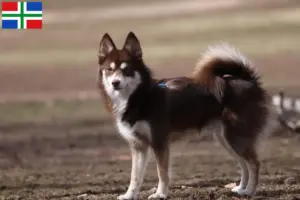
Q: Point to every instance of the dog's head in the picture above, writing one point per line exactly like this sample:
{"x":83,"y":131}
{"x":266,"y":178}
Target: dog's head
{"x":121,"y":70}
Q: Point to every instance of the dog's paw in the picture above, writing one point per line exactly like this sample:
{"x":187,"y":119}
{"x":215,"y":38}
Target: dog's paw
{"x":242,"y":192}
{"x":230,"y":185}
{"x":126,"y":197}
{"x":236,"y":189}
{"x":157,"y":196}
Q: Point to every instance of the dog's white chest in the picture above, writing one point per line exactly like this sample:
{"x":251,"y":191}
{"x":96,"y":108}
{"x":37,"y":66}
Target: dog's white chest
{"x":130,"y":133}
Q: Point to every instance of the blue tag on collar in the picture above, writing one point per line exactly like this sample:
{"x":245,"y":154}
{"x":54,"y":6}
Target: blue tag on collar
{"x":163,"y":85}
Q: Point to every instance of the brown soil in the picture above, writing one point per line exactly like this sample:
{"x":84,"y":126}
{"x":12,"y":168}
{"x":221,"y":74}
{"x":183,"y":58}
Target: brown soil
{"x":86,"y":160}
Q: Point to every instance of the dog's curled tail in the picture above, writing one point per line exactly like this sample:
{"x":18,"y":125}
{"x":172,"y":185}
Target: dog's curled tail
{"x":220,"y":62}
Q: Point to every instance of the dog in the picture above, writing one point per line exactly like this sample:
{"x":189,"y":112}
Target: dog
{"x":150,"y":113}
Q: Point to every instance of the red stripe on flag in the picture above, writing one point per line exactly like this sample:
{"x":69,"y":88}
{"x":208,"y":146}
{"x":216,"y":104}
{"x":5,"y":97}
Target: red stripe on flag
{"x":9,"y":6}
{"x":34,"y":24}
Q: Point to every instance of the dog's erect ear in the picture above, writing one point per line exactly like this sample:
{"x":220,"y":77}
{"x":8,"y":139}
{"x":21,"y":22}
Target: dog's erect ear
{"x":132,"y":45}
{"x":106,"y":46}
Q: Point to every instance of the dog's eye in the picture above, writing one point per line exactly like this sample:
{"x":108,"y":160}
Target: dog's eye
{"x":126,"y":70}
{"x":109,"y":69}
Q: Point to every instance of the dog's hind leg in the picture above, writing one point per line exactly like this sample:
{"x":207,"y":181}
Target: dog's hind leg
{"x":243,"y":146}
{"x":164,"y":172}
{"x":219,"y":136}
{"x":253,"y":166}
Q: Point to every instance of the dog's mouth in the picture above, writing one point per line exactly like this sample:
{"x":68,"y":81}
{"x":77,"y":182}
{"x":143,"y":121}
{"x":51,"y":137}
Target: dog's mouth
{"x":117,"y":88}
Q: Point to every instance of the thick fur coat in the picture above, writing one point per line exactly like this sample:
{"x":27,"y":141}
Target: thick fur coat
{"x":151,"y":113}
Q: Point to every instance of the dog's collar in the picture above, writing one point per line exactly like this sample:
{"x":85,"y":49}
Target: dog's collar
{"x":163,"y":85}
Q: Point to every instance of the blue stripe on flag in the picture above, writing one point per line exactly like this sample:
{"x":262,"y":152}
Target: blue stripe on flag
{"x":9,"y":24}
{"x":34,"y":6}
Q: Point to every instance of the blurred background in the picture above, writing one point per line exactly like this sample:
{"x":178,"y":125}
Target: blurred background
{"x":51,"y":113}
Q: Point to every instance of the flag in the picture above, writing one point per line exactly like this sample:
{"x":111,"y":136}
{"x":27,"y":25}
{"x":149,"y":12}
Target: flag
{"x":22,"y":15}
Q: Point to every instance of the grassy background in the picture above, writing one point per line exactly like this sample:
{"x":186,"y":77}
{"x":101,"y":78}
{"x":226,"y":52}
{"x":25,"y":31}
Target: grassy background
{"x":50,"y":74}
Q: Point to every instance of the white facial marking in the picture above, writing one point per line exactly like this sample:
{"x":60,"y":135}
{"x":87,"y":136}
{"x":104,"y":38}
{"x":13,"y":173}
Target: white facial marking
{"x":113,"y":65}
{"x":127,"y":85}
{"x":123,"y":65}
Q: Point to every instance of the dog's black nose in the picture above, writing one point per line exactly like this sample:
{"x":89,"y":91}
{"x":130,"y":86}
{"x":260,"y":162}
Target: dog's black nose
{"x":116,"y":83}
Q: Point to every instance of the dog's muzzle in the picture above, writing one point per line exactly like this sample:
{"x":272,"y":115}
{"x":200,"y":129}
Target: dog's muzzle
{"x":116,"y":84}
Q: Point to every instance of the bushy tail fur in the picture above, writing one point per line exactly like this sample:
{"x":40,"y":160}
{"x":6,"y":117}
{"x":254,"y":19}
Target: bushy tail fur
{"x":223,"y":62}
{"x":246,"y":111}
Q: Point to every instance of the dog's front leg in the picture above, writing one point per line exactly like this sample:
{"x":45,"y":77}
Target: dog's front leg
{"x":139,"y":165}
{"x":164,"y":173}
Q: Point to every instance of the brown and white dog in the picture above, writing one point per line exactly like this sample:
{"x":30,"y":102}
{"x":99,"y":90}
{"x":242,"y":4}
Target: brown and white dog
{"x":151,"y":113}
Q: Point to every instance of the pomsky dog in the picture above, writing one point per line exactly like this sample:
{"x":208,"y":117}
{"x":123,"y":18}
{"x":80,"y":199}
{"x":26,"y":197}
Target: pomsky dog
{"x":150,"y":113}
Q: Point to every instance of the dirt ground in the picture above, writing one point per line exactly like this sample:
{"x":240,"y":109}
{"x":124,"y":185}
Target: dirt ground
{"x":86,"y":161}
